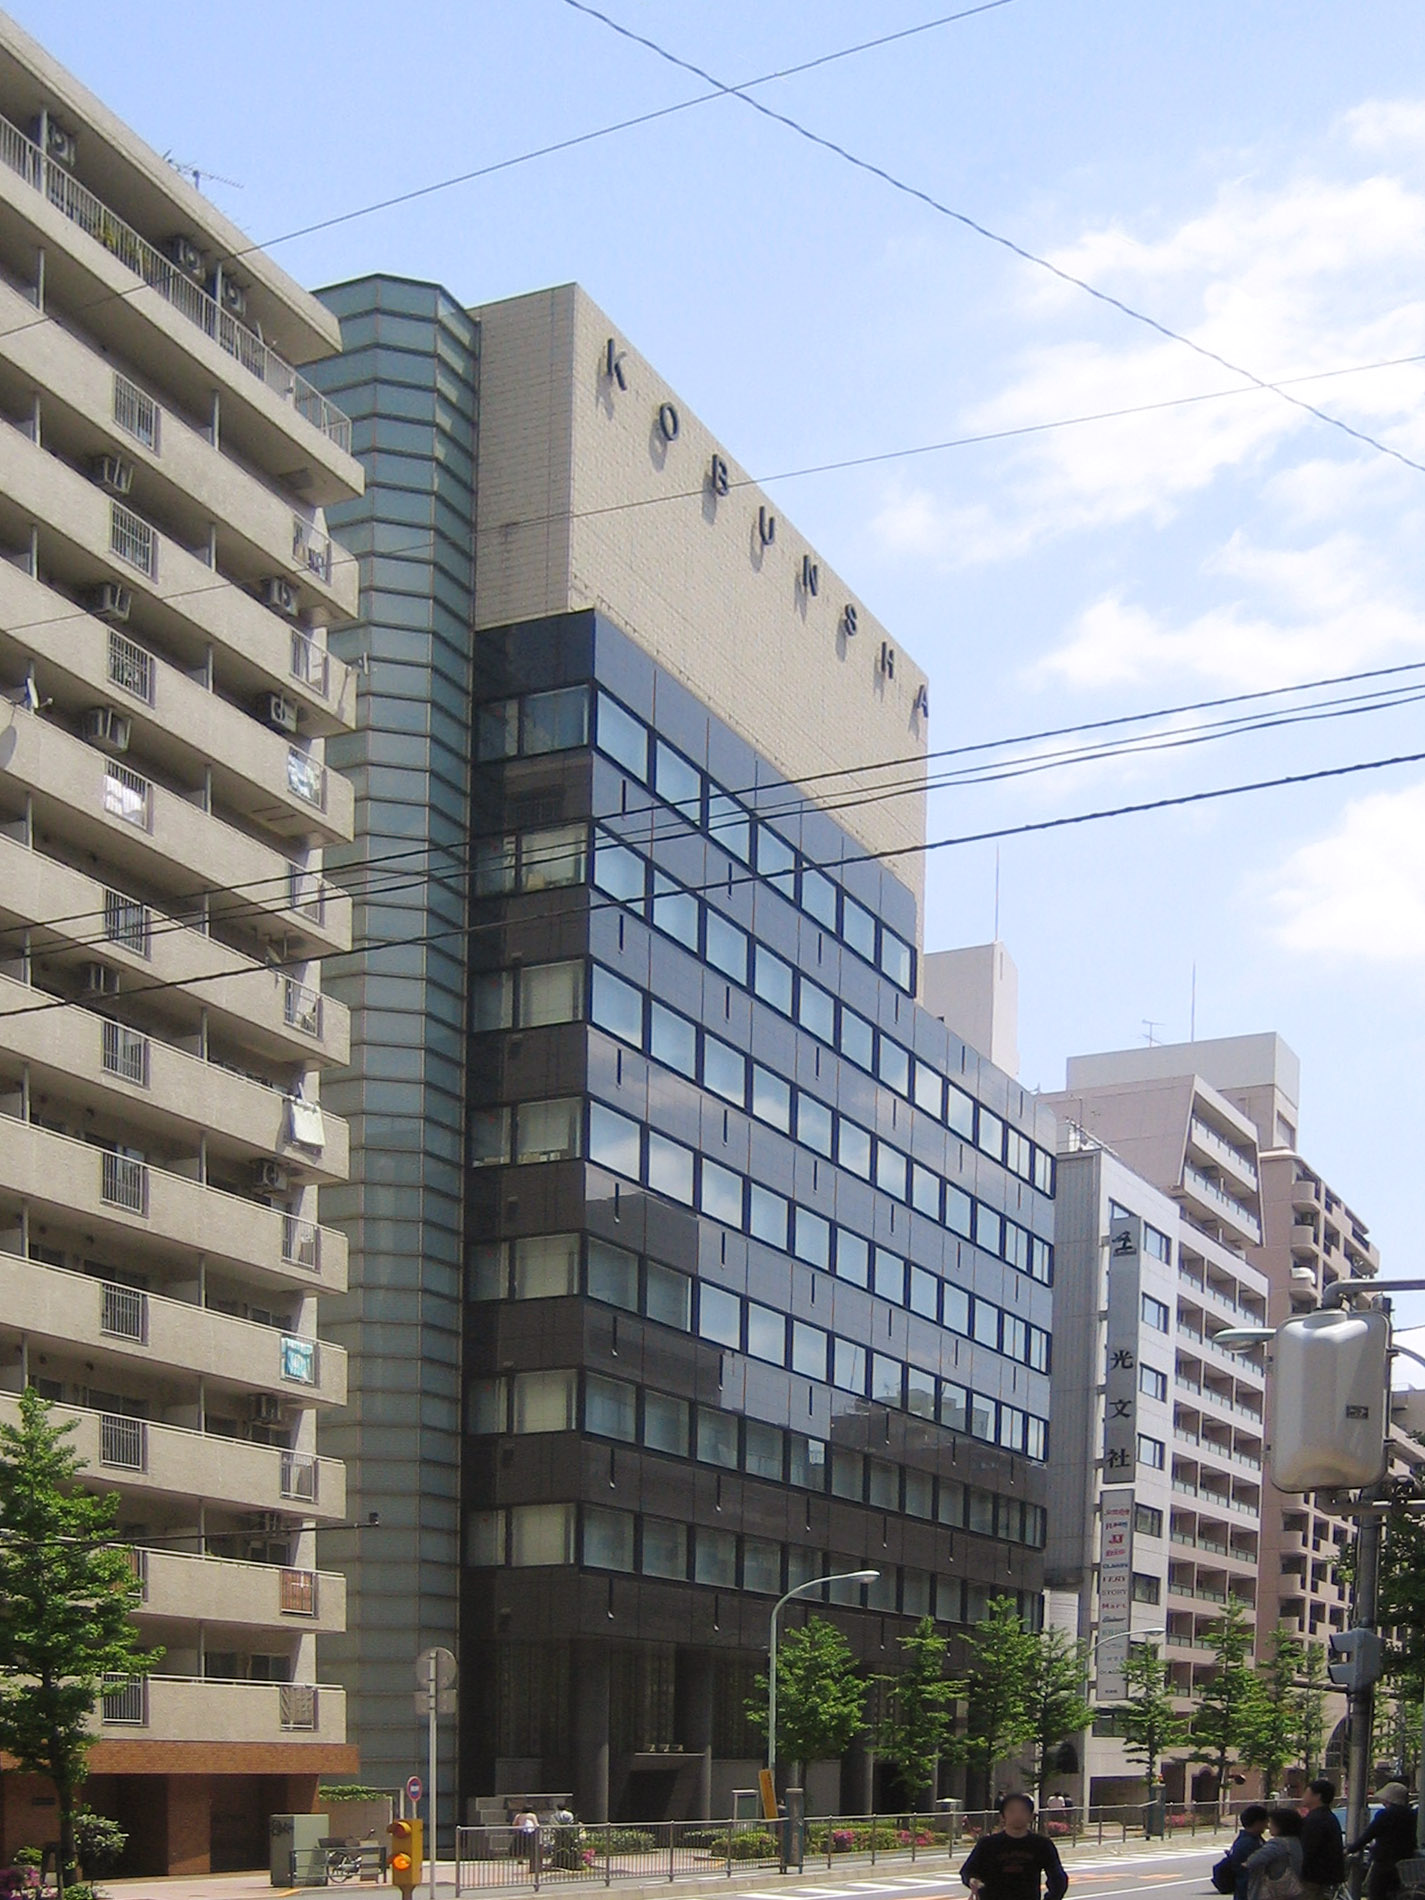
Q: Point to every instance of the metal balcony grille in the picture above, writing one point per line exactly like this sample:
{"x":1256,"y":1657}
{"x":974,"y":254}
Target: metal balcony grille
{"x":124,"y":1314}
{"x":297,"y":1704}
{"x":312,"y":549}
{"x":307,"y":778}
{"x":297,"y":1592}
{"x":302,"y":1008}
{"x":126,"y":1705}
{"x":125,"y":1183}
{"x":307,"y":894}
{"x":131,"y":539}
{"x":311,"y":664}
{"x":301,"y":1243}
{"x":299,"y":1476}
{"x":128,"y":922}
{"x":123,"y":1442}
{"x":135,"y":411}
{"x":126,"y":1053}
{"x":128,"y":795}
{"x":131,"y":666}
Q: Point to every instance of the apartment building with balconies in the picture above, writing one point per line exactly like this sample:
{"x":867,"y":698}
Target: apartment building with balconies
{"x":1177,"y":1139}
{"x":167,"y":587}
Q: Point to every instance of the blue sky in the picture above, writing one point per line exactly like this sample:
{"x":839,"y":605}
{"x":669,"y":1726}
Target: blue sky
{"x":1252,"y":176}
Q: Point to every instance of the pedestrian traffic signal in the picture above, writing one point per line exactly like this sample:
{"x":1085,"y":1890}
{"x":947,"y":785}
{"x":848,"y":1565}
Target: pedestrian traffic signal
{"x":407,"y":1849}
{"x":1355,"y":1660}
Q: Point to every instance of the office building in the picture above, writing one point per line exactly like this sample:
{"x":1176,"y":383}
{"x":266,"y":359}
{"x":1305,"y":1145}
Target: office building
{"x":711,"y":1263}
{"x":166,"y":695}
{"x":1156,"y":1468}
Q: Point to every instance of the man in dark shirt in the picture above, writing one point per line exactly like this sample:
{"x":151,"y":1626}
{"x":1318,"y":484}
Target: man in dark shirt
{"x":1323,"y":1847}
{"x":1008,"y":1864}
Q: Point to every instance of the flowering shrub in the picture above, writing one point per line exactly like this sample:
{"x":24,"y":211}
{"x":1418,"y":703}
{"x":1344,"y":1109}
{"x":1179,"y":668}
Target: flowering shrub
{"x":18,"y":1883}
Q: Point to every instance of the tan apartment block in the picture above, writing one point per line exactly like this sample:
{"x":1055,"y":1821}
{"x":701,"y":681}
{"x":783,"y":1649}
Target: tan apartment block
{"x":167,"y":586}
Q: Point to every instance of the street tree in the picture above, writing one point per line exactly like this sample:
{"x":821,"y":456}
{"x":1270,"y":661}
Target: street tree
{"x":919,"y":1712}
{"x":1219,"y":1723}
{"x":1147,"y":1719}
{"x":1399,"y":1596}
{"x":1312,"y":1685}
{"x":1057,"y":1708}
{"x":1271,"y":1724}
{"x":67,"y":1593}
{"x":821,"y":1701}
{"x":998,"y":1690}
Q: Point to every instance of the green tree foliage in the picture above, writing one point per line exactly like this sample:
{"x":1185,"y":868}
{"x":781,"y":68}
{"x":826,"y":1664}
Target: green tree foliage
{"x":998,"y":1688}
{"x":66,"y":1597}
{"x":1401,"y":1592}
{"x":1149,"y":1723}
{"x":919,"y":1721}
{"x":1271,"y":1724}
{"x":1219,"y":1722}
{"x":1056,"y":1705}
{"x":821,"y":1701}
{"x":1311,"y":1708}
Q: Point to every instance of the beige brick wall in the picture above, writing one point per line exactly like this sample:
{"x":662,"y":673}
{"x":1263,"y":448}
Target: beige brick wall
{"x":584,"y":502}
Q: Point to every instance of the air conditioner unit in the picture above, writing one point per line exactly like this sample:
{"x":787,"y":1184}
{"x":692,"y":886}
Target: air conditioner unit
{"x":271,"y":1175}
{"x":113,"y":472}
{"x":60,"y":145}
{"x":234,"y":298}
{"x":280,"y":595}
{"x":108,"y":601}
{"x":266,"y":1408}
{"x":106,"y":726}
{"x":279,"y":711}
{"x":186,"y":255}
{"x":101,"y":979}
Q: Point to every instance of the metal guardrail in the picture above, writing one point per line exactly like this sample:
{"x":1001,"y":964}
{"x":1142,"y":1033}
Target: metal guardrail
{"x":128,"y":922}
{"x":131,"y":666}
{"x":133,"y":540}
{"x":136,"y":412}
{"x":177,"y":286}
{"x":563,"y":1854}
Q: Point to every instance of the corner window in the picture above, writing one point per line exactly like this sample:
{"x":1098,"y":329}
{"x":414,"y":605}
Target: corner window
{"x":622,"y":737}
{"x":548,"y":1131}
{"x":557,"y":721}
{"x":541,"y":1534}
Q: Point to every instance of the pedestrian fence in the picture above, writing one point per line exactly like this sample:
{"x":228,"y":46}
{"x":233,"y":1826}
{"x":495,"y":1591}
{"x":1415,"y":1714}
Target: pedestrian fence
{"x":568,"y":1854}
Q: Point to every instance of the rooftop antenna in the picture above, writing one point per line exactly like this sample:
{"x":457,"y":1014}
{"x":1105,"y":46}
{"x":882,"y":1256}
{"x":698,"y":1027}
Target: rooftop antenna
{"x":196,"y":173}
{"x":1150,"y":1030}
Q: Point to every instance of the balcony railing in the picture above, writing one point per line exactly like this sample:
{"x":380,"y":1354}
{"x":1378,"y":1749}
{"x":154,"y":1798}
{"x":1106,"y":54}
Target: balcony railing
{"x":137,"y":1557}
{"x":301,"y":1243}
{"x":299,"y":1476}
{"x":128,"y":795}
{"x":126,"y":1705}
{"x":307,"y":778}
{"x":297,"y":1704}
{"x":128,"y":922}
{"x":77,"y":203}
{"x":126,"y":1053}
{"x":123,"y":1442}
{"x":311,"y":549}
{"x":132,"y":539}
{"x":311,"y":664}
{"x":307,"y":893}
{"x":302,"y":1008}
{"x":131,"y":667}
{"x":135,"y":412}
{"x":124,"y":1313}
{"x":125,"y":1182}
{"x":297,"y":1593}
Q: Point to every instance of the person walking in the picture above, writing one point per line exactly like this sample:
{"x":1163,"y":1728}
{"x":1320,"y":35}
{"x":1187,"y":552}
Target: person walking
{"x":1323,"y":1846}
{"x":1390,"y":1838}
{"x":1011,"y":1863}
{"x":1230,"y":1873}
{"x":1274,"y":1871}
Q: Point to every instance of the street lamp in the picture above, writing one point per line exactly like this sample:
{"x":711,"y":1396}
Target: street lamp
{"x":812,"y":1583}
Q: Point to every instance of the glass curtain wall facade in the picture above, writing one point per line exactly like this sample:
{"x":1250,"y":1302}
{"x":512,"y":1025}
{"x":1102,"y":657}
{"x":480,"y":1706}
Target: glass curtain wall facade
{"x":759,"y":1254}
{"x":410,"y":372}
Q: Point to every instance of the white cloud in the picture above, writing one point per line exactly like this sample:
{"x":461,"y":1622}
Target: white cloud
{"x":1358,"y":892}
{"x":1381,"y":123}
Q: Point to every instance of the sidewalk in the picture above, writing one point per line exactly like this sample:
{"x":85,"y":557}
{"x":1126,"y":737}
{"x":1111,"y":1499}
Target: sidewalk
{"x":845,"y":1869}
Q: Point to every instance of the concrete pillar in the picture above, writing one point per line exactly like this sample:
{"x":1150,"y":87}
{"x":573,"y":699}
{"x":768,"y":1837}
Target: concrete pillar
{"x":693,"y":1716}
{"x":591,"y":1731}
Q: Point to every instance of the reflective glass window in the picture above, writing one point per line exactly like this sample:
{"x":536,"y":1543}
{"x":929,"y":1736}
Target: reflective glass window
{"x":919,"y":1492}
{"x":959,"y":1111}
{"x":497,"y":730}
{"x":610,"y":1408}
{"x":929,"y":1089}
{"x":616,"y":1006}
{"x":612,"y":1275}
{"x":887,"y":1379}
{"x":543,"y":1402}
{"x":1037,"y":1350}
{"x":608,"y":1538}
{"x":853,"y":1257}
{"x":717,"y":1438}
{"x":487,"y":1404}
{"x":761,"y":1566}
{"x":679,"y":782}
{"x":890,"y":1170}
{"x":766,"y":1334}
{"x":495,"y":860}
{"x":811,"y":1237}
{"x":858,"y":927}
{"x":888,"y":1276}
{"x":541,"y":1534}
{"x":915,"y":1593}
{"x":991,"y":1135}
{"x":955,"y":1309}
{"x":715,"y":1557}
{"x":771,"y":1098}
{"x":546,"y":1266}
{"x":776,"y":860}
{"x":848,"y":1365}
{"x":893,"y":1066}
{"x":665,"y":1423}
{"x":986,"y":1323}
{"x":673,"y":1040}
{"x":853,"y":1149}
{"x":729,"y":825}
{"x":488,"y":1275}
{"x":613,"y":1141}
{"x":819,"y":897}
{"x":665,"y":1548}
{"x":1013,"y":1336}
{"x":488,"y":1136}
{"x":954,"y":1406}
{"x":550,"y":859}
{"x":980,"y":1511}
{"x":1041,"y":1260}
{"x":959,"y":1210}
{"x":726,"y":946}
{"x":883,"y":1485}
{"x":670,"y":1167}
{"x":492,"y":1000}
{"x":762,"y":1450}
{"x":772,"y":979}
{"x":982,"y":1417}
{"x":767,"y":1215}
{"x":924,"y":1293}
{"x":622,"y":737}
{"x":848,"y":1474}
{"x":808,"y":1350}
{"x":989,"y":1228}
{"x":675,"y":913}
{"x":557,"y":721}
{"x":618,"y":872}
{"x":816,"y":1012}
{"x":724,"y":1071}
{"x":669,"y":1297}
{"x":551,"y":993}
{"x":1011,"y":1427}
{"x":721,"y":1196}
{"x":895,"y":958}
{"x":813,"y":1123}
{"x":857,"y":1038}
{"x":719,"y":1317}
{"x":1036,"y":1439}
{"x":548,"y":1131}
{"x":920,"y":1391}
{"x":925,"y":1190}
{"x":806,"y":1462}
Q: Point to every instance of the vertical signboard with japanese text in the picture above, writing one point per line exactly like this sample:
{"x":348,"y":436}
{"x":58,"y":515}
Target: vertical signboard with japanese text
{"x":1115,"y":1594}
{"x":1120,"y":1453}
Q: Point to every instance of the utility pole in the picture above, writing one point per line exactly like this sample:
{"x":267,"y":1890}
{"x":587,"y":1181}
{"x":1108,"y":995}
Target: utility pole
{"x":1362,"y":1705}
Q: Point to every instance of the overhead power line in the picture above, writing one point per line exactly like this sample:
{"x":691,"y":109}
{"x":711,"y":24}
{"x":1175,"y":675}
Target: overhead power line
{"x":983,"y":230}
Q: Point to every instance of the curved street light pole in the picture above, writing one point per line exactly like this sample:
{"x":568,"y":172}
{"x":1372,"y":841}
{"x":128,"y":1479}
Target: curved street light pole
{"x":812,"y":1583}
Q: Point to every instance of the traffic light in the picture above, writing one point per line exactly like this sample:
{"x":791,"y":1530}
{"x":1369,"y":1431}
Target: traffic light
{"x":1355,"y":1660}
{"x":407,"y":1851}
{"x":1328,"y":1398}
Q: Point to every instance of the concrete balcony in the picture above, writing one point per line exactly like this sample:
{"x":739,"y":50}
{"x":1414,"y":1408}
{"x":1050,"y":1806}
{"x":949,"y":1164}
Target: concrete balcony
{"x":216,"y":1590}
{"x":64,"y":1182}
{"x":139,"y":304}
{"x":138,"y":1456}
{"x":158,"y":837}
{"x":179,"y":597}
{"x":1214,"y":1204}
{"x":189,"y":1709}
{"x":163,"y":1093}
{"x":54,"y":1308}
{"x":105,"y":410}
{"x":180,"y":729}
{"x":78,"y":917}
{"x":1218,"y":1152}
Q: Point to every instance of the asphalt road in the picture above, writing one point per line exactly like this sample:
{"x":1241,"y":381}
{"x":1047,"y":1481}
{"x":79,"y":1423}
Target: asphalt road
{"x":1178,"y":1875}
